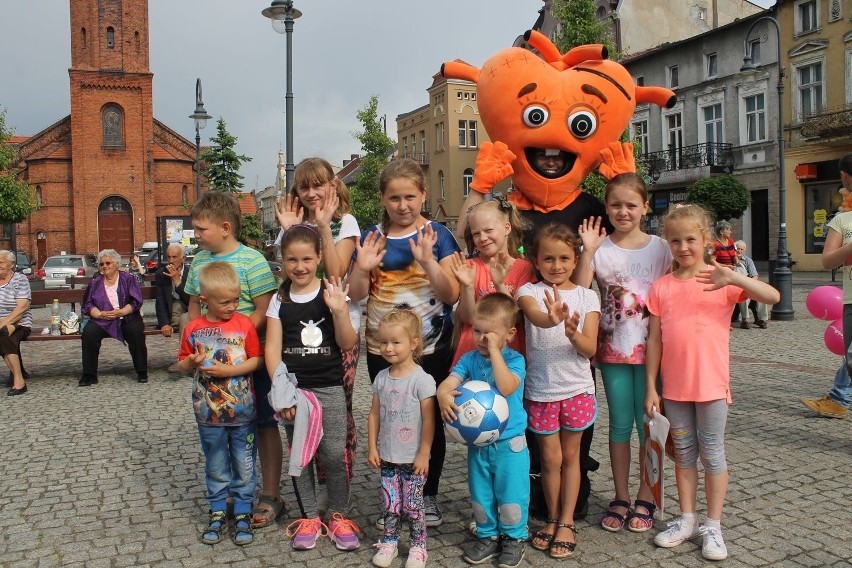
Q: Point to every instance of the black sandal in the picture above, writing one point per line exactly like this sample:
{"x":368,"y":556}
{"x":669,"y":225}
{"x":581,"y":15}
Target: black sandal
{"x":215,"y":527}
{"x":568,"y":546}
{"x":546,"y":537}
{"x":610,"y":514}
{"x":243,"y":533}
{"x":646,"y":518}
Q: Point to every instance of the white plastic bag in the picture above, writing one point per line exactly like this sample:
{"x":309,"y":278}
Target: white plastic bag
{"x":656,"y":432}
{"x":70,"y":323}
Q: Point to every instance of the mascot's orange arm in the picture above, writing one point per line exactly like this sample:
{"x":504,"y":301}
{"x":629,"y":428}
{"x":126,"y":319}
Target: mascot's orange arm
{"x":659,"y":96}
{"x":457,"y":70}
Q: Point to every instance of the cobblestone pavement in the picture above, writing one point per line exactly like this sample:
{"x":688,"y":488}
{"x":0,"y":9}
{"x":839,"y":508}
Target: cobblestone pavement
{"x":112,"y":475}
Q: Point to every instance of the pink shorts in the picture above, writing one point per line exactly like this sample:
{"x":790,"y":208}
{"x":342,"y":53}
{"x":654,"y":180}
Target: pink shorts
{"x":574,"y":414}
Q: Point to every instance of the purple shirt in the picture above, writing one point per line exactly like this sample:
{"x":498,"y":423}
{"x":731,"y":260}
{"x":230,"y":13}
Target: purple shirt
{"x":128,"y":292}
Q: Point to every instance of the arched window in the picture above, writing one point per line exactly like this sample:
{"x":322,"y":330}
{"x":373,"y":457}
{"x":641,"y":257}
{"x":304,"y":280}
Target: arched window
{"x":136,"y":41}
{"x":184,"y":195}
{"x":112,"y":118}
{"x":600,"y":13}
{"x":467,"y":179}
{"x":110,"y":38}
{"x":38,"y":195}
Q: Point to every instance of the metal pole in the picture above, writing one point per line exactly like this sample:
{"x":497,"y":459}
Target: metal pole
{"x":289,"y":166}
{"x":197,"y":163}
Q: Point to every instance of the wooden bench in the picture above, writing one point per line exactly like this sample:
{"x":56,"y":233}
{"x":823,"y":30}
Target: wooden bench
{"x":74,"y":296}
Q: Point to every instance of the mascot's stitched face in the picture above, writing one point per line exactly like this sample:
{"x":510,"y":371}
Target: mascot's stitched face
{"x":535,"y":108}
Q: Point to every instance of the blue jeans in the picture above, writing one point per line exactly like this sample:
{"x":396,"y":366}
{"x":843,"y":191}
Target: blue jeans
{"x":841,"y":393}
{"x":230,"y":453}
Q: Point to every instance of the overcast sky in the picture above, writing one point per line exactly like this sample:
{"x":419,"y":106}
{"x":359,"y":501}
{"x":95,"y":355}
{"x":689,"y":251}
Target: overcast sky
{"x":344,"y":51}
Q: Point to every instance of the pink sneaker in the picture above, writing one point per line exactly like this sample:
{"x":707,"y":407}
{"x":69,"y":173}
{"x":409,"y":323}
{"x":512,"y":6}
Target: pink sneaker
{"x":416,"y":557}
{"x":306,"y":532}
{"x":343,"y":532}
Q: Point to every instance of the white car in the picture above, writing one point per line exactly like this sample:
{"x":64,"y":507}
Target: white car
{"x":57,"y":268}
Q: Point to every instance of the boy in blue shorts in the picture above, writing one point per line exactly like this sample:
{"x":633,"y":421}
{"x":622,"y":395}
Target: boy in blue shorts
{"x":498,"y":474}
{"x":222,"y":349}
{"x":216,"y":220}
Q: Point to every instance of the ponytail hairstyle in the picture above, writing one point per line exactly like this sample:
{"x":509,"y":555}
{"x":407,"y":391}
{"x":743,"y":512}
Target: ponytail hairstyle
{"x":296,"y":234}
{"x":400,"y":168}
{"x":506,"y":212}
{"x":315,"y":172}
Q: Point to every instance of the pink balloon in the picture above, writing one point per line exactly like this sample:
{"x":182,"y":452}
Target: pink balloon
{"x":825,"y":303}
{"x":834,"y":337}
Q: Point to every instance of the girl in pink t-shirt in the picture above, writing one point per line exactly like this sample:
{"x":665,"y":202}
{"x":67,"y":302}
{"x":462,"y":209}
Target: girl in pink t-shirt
{"x":495,"y":230}
{"x":688,"y":344}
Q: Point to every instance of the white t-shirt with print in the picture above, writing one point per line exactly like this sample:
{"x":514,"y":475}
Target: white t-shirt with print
{"x":842,"y":223}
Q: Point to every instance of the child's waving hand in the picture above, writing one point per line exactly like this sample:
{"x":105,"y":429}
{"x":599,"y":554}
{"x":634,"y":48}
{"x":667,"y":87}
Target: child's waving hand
{"x":557,"y":311}
{"x":370,"y":253}
{"x":463,"y":269}
{"x":289,"y":212}
{"x":335,"y":294}
{"x":422,"y":249}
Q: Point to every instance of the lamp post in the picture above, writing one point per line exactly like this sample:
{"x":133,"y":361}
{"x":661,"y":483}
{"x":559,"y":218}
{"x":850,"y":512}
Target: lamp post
{"x":200,"y":117}
{"x":283,"y":14}
{"x":782,"y":276}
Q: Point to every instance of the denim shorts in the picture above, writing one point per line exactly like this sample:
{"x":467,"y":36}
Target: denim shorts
{"x":262,"y":386}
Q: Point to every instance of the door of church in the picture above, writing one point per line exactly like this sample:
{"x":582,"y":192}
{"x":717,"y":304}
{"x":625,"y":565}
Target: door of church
{"x":115,"y":225}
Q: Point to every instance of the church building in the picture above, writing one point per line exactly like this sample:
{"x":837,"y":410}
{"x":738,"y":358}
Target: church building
{"x":103,"y":174}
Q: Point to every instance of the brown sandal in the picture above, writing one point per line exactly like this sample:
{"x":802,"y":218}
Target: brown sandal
{"x":543,"y":536}
{"x":274,"y":508}
{"x":564,"y":544}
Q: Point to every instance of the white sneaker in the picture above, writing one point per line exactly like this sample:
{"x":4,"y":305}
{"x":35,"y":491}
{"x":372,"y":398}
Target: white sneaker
{"x":714,"y":546}
{"x":384,"y":557}
{"x":677,"y":532}
{"x":416,"y":557}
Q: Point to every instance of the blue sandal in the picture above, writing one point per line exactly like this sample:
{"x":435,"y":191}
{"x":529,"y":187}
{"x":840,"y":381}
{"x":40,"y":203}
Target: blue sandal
{"x":217,"y":524}
{"x":243,"y":533}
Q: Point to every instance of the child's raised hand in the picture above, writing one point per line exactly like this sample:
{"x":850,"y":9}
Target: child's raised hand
{"x":463,"y":269}
{"x":373,"y":459}
{"x":422,"y":249}
{"x":370,"y":253}
{"x":499,"y":267}
{"x":325,"y":214}
{"x":447,"y":405}
{"x":490,"y":341}
{"x":592,"y":234}
{"x":289,"y":211}
{"x":716,"y":276}
{"x":571,"y":324}
{"x":335,"y":294}
{"x":556,"y":311}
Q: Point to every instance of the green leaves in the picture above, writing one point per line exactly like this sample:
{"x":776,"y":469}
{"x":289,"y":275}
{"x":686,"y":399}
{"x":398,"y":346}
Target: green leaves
{"x":17,"y":199}
{"x":579,"y":26}
{"x":366,"y":206}
{"x":724,"y":196}
{"x":224,"y":162}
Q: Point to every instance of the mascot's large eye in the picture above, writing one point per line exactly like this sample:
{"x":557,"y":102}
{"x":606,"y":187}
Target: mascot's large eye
{"x":535,"y":116}
{"x":582,"y":123}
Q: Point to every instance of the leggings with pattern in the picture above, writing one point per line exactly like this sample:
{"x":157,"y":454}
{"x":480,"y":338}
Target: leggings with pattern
{"x":402,"y":493}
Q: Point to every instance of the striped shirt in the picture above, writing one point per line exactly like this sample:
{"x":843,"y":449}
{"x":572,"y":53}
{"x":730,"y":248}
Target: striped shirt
{"x":16,"y":288}
{"x":255,"y":277}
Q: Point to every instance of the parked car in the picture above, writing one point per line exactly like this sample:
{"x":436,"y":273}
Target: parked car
{"x":153,"y":263}
{"x":57,"y":268}
{"x":23,"y":264}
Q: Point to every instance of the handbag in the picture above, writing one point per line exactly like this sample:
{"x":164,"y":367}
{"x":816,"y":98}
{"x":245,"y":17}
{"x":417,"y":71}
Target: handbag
{"x":70,"y":323}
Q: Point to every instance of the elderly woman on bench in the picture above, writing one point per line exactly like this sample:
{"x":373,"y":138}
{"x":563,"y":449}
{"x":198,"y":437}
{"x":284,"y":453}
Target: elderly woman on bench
{"x":15,"y":319}
{"x":113,"y":301}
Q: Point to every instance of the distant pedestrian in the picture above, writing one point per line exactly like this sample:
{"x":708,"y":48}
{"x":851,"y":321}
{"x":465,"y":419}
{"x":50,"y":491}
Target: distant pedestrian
{"x":745,"y":265}
{"x":838,"y":252}
{"x":222,"y":349}
{"x":688,"y":346}
{"x":724,"y":250}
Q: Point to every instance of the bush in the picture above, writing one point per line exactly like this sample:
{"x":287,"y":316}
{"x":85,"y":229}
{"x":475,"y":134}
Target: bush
{"x":723,"y":196}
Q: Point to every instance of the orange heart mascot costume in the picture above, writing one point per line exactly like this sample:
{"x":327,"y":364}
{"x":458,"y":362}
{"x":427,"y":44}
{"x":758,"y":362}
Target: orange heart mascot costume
{"x":573,"y":106}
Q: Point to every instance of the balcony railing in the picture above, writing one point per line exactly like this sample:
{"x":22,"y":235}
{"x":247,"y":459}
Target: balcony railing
{"x":718,"y":156}
{"x":422,"y":158}
{"x":827,"y":123}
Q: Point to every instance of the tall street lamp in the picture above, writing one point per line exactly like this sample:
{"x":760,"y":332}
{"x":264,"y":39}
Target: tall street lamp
{"x":200,"y":117}
{"x":283,"y":14}
{"x":782,"y":276}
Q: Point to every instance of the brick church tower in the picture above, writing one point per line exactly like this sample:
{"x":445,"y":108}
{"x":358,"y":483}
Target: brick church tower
{"x":105,"y":173}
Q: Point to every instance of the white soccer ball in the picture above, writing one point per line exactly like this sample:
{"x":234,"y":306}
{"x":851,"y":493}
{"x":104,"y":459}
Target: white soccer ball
{"x":482,"y":417}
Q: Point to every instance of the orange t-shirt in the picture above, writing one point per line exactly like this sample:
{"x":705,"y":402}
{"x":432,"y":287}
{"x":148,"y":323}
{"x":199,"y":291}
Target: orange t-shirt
{"x":696,"y":330}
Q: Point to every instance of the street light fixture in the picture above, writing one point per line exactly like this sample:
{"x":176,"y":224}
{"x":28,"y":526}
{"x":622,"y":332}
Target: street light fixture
{"x":200,"y":117}
{"x":782,"y":276}
{"x":283,"y":14}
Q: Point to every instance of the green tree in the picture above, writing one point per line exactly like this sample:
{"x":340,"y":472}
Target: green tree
{"x":724,"y":196}
{"x":17,"y":199}
{"x":376,"y":147}
{"x":224,"y":163}
{"x":251,"y":233}
{"x":579,"y":26}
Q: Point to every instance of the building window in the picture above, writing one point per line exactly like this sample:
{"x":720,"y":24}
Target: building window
{"x":473,"y":96}
{"x":423,"y":146}
{"x":471,"y":129}
{"x":467,"y":179}
{"x":441,"y":184}
{"x":639,"y":133}
{"x":459,"y":95}
{"x":184,"y":194}
{"x":640,"y":81}
{"x":112,"y":118}
{"x":711,"y":65}
{"x":38,"y":196}
{"x":467,"y":134}
{"x":413,"y":155}
{"x":110,"y":38}
{"x":755,"y":109}
{"x":405,"y":146}
{"x":810,"y":89}
{"x":807,"y":16}
{"x":83,"y":36}
{"x":821,"y":200}
{"x":673,"y":77}
{"x":713,"y":127}
{"x":674,"y":136}
{"x":462,"y":134}
{"x":7,"y":231}
{"x":439,"y":137}
{"x":755,"y":51}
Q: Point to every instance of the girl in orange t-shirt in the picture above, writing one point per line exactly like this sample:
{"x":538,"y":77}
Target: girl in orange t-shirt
{"x":688,"y":345}
{"x":495,"y":230}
